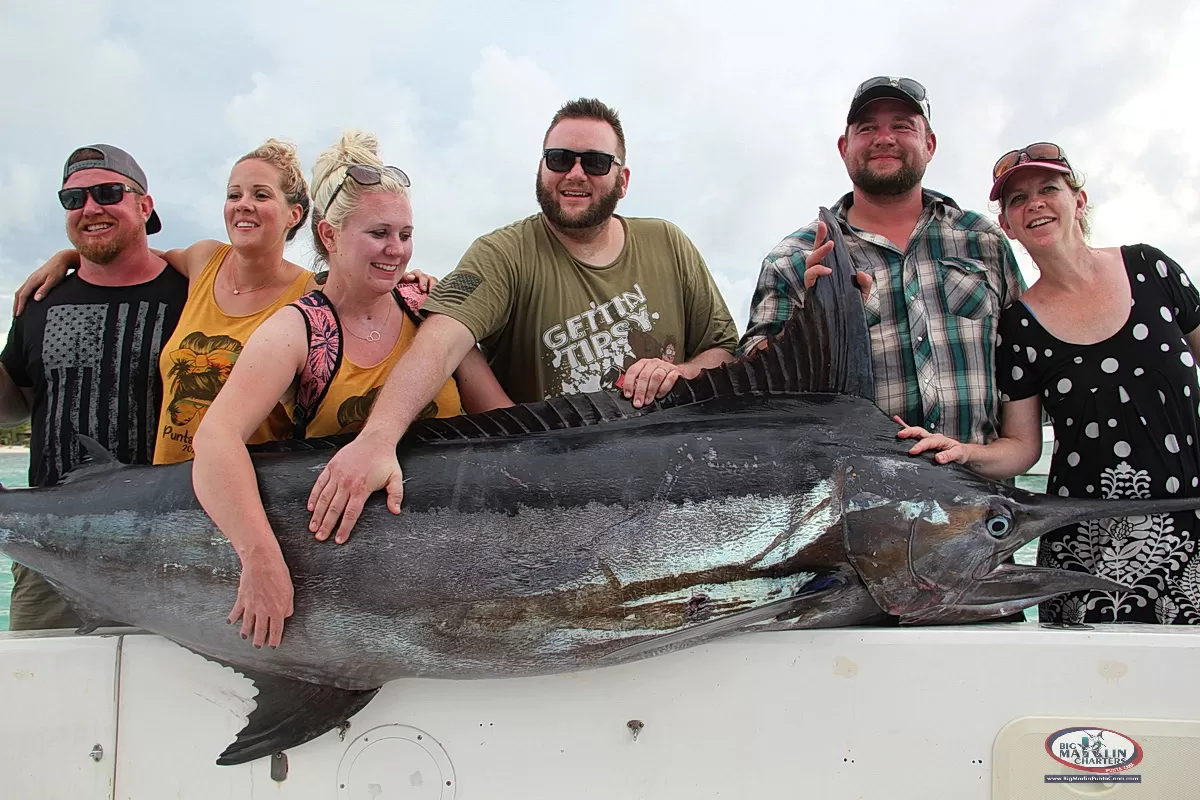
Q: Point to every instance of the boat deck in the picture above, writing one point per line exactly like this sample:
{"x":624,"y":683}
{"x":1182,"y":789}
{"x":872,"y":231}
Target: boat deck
{"x":893,"y":714}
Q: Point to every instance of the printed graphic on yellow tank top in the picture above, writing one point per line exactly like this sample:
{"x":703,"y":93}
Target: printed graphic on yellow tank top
{"x":353,"y":411}
{"x":197,"y":359}
{"x":199,"y":368}
{"x":354,"y":388}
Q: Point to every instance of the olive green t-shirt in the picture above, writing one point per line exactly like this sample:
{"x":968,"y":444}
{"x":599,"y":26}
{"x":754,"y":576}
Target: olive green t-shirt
{"x":552,"y":325}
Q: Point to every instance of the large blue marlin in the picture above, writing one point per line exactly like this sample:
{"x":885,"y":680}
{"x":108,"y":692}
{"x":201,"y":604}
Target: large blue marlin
{"x":768,"y":494}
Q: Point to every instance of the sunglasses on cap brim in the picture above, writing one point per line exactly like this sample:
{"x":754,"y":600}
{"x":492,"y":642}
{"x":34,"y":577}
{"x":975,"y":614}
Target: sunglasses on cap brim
{"x":1040,"y":151}
{"x":908,"y":85}
{"x":106,"y":194}
{"x":560,"y":159}
{"x":368,"y":175}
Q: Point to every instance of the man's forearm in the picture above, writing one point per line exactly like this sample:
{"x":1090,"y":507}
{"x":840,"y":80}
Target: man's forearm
{"x":417,"y":377}
{"x":709,"y":359}
{"x":14,"y":408}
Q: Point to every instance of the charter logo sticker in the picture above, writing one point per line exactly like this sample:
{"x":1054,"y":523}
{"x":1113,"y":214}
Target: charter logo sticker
{"x":1098,"y":751}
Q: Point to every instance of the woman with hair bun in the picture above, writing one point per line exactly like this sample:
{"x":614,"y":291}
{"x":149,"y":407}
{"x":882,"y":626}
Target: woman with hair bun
{"x":233,"y":288}
{"x":324,"y":357}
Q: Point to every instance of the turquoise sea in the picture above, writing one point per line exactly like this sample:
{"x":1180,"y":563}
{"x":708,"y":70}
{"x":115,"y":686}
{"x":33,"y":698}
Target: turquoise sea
{"x":14,"y":472}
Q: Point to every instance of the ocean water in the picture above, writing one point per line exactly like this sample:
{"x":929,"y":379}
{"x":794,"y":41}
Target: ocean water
{"x":14,"y":472}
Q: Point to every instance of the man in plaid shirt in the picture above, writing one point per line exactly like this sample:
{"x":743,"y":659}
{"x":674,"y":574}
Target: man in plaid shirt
{"x":934,"y":277}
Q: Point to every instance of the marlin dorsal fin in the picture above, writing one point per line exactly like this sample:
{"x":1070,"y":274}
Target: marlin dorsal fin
{"x":95,"y":459}
{"x":824,"y":347}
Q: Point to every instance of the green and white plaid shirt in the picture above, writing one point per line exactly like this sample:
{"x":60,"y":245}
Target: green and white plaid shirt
{"x":932,"y":312}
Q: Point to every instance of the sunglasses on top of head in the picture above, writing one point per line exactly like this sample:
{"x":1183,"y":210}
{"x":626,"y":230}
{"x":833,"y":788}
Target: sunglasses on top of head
{"x":368,"y":175}
{"x":106,"y":194}
{"x":560,"y":159}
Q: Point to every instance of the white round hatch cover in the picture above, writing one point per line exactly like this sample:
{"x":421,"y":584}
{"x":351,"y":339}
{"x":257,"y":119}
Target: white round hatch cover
{"x":396,"y":762}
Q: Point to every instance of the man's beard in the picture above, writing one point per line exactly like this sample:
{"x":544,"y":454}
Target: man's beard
{"x":100,"y":252}
{"x":891,"y":185}
{"x":601,"y":210}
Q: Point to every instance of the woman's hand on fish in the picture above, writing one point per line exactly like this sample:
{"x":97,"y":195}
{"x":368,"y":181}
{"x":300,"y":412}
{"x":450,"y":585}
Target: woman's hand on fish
{"x":813,"y":268}
{"x":949,"y":450}
{"x":264,"y":598}
{"x":365,"y":465}
{"x":424,"y":282}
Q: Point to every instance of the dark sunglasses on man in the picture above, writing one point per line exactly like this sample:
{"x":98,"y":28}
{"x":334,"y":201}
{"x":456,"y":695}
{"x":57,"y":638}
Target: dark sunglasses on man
{"x":106,"y":194}
{"x":560,"y":159}
{"x":368,"y":175}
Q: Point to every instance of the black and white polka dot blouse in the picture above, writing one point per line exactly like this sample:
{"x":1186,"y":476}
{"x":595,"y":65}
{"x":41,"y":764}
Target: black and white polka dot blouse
{"x":1125,"y":414}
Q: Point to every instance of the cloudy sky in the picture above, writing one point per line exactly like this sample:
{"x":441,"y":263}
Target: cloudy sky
{"x":732,"y":109}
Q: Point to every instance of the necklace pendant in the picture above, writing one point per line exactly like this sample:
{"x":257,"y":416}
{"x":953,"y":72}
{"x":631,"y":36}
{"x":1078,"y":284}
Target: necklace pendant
{"x":374,"y":337}
{"x":235,"y":291}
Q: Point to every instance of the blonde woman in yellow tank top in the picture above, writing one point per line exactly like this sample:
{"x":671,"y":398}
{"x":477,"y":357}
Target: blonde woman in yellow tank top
{"x":233,"y":288}
{"x":362,"y":225}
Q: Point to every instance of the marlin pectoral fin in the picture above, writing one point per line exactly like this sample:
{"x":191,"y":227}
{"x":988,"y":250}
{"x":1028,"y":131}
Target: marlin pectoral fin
{"x":785,"y":607}
{"x":289,"y":713}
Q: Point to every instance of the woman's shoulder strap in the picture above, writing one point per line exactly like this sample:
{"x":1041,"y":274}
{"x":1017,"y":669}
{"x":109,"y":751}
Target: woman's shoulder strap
{"x":323,"y":359}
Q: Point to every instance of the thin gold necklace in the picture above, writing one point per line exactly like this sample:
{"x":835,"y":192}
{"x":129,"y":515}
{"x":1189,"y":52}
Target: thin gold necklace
{"x":373,"y":336}
{"x":233,"y":281}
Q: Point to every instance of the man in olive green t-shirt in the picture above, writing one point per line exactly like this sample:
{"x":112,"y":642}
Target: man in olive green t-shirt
{"x":552,"y":323}
{"x":570,"y":300}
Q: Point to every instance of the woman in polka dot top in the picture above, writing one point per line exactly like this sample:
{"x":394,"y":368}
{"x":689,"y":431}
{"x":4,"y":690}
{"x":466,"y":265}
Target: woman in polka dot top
{"x":1105,"y":340}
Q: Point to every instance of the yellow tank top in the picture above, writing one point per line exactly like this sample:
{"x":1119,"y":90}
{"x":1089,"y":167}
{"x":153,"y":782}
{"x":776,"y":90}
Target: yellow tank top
{"x":353,"y":389}
{"x":197,"y":359}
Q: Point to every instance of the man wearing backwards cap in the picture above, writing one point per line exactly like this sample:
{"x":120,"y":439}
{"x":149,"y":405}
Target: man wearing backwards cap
{"x":934,"y":277}
{"x":84,"y":360}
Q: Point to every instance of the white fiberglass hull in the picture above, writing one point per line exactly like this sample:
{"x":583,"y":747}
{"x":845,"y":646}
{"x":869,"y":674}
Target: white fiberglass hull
{"x":852,"y":713}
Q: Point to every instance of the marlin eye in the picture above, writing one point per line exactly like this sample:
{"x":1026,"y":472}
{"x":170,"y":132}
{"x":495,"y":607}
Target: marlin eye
{"x":998,"y":526}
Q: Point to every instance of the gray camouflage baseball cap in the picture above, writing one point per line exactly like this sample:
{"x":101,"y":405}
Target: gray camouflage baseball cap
{"x":113,"y":159}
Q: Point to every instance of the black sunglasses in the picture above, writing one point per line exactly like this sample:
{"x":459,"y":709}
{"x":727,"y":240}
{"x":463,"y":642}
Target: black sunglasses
{"x":560,"y":159}
{"x":106,"y":194}
{"x":367,"y":175}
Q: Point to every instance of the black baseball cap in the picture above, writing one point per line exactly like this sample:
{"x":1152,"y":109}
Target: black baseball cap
{"x":905,"y":90}
{"x":113,"y":159}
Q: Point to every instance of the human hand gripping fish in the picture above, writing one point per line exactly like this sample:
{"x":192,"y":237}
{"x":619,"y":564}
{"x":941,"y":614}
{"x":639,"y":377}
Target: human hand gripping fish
{"x":265,"y":596}
{"x":364,"y":466}
{"x":946,"y":450}
{"x":1013,"y":452}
